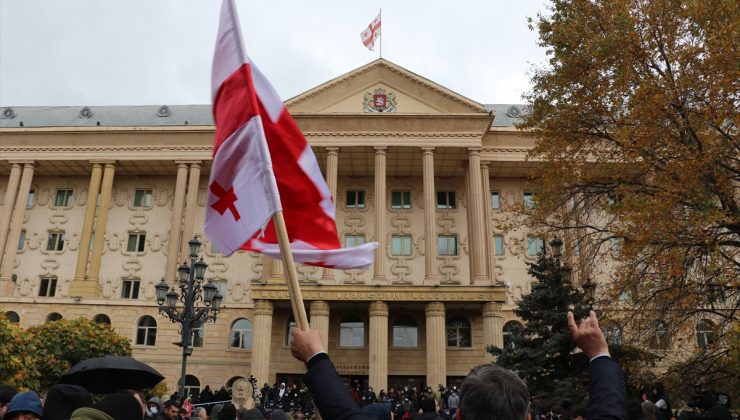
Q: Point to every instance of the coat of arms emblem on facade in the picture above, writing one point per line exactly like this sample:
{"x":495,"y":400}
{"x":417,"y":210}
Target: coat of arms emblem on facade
{"x":379,"y":101}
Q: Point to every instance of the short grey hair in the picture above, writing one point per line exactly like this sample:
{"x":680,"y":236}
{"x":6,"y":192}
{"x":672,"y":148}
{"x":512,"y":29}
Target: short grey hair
{"x":197,"y":411}
{"x":490,"y":391}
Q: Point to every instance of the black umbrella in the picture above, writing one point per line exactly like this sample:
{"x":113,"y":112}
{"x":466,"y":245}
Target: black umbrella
{"x":107,"y":374}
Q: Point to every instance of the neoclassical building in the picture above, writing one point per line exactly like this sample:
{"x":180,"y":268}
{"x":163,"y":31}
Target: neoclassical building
{"x":98,"y":204}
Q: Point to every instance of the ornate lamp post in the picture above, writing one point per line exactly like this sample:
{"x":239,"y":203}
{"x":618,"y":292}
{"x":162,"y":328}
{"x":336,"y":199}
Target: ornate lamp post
{"x":589,"y":288}
{"x":191,"y":292}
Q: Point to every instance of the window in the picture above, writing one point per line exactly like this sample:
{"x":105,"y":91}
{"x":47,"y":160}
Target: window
{"x":400,"y":199}
{"x":288,"y":328}
{"x":405,"y":332}
{"x":445,"y":199}
{"x":241,"y":334}
{"x":662,"y":338}
{"x":48,"y":286}
{"x":214,"y":249}
{"x":612,"y":333}
{"x":353,"y":240}
{"x":136,"y":242}
{"x":495,"y":200}
{"x":498,"y":245}
{"x":55,"y":241}
{"x":535,"y":246}
{"x":31,"y":197}
{"x":458,"y":332}
{"x":102,"y":319}
{"x":192,"y":385}
{"x":22,"y":240}
{"x":13,"y":317}
{"x":706,"y":333}
{"x":447,"y":244}
{"x":146,"y":332}
{"x":130,"y":289}
{"x":199,"y":335}
{"x":529,"y":200}
{"x":143,"y":198}
{"x":512,"y":331}
{"x":352,"y":332}
{"x":355,"y":199}
{"x":400,"y":245}
{"x":64,"y":198}
{"x":54,"y":316}
{"x":221,"y":285}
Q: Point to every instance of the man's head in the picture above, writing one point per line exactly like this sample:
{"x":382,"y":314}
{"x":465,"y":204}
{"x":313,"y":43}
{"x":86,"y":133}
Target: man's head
{"x":171,"y":409}
{"x":6,"y":394}
{"x":200,"y":413}
{"x":490,"y":391}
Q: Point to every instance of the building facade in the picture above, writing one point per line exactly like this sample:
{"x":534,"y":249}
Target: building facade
{"x":98,"y":204}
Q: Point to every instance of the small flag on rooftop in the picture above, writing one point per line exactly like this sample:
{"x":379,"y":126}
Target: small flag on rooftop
{"x":371,"y":33}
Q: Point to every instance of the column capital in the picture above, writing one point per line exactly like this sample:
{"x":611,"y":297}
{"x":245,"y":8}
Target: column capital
{"x":263,"y":307}
{"x":332,"y":149}
{"x":435,"y":309}
{"x":427,"y":150}
{"x":187,"y":162}
{"x":484,"y":165}
{"x":22,"y":162}
{"x":319,"y":308}
{"x":474,"y":151}
{"x":101,"y":161}
{"x":196,"y":164}
{"x":380,"y":150}
{"x":110,"y":164}
{"x":378,"y":308}
{"x":492,"y":309}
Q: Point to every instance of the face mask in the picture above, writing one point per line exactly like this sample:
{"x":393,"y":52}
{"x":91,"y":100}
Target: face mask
{"x":153,"y":410}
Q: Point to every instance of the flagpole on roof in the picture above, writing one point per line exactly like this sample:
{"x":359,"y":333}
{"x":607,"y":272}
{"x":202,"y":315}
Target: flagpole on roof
{"x":381,"y":33}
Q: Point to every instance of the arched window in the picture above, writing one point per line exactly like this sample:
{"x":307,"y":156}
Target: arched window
{"x":288,"y":328}
{"x":241,"y":334}
{"x":352,"y":332}
{"x":706,"y":333}
{"x":405,"y":332}
{"x":231,"y":381}
{"x":458,"y":332}
{"x":13,"y":317}
{"x":512,"y":330}
{"x":146,"y":332}
{"x":192,"y":385}
{"x":54,"y":316}
{"x":612,"y":333}
{"x":662,"y":338}
{"x":101,"y":319}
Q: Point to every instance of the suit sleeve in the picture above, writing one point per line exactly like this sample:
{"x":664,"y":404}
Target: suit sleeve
{"x":606,"y":399}
{"x":329,"y":393}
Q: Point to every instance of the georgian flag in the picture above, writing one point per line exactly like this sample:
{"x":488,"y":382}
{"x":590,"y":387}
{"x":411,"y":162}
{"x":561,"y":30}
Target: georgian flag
{"x":371,"y":33}
{"x":261,"y":158}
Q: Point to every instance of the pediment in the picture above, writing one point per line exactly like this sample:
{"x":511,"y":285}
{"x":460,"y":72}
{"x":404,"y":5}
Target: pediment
{"x":404,"y":93}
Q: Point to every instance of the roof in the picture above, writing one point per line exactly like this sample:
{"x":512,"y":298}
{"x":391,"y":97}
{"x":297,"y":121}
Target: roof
{"x":158,"y":115}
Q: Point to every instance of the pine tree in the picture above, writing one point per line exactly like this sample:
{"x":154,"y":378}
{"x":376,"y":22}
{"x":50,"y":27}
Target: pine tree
{"x":543,"y":354}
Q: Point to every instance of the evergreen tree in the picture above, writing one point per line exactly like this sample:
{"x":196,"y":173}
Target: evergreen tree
{"x":543,"y":353}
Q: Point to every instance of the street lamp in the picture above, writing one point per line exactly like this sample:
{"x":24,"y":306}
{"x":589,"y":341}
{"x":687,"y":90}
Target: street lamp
{"x":557,"y":246}
{"x":589,"y":288}
{"x":190,"y":279}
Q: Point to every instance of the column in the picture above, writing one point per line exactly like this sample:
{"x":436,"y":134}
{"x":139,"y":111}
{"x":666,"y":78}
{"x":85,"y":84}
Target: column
{"x":10,"y":193}
{"x":487,"y":212}
{"x":320,"y":320}
{"x":173,"y":244}
{"x":436,"y":344}
{"x":277,"y":274}
{"x":332,"y":163}
{"x":101,"y":224}
{"x":83,"y":252}
{"x":430,"y":218}
{"x":261,"y":339}
{"x":190,"y":207}
{"x":477,"y":239}
{"x":8,"y":261}
{"x":378,"y":369}
{"x":379,"y":266}
{"x":492,"y":334}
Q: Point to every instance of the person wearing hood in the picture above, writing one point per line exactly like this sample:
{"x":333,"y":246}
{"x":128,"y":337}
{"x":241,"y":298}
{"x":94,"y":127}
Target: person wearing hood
{"x":63,"y":399}
{"x":24,"y":406}
{"x":154,"y":409}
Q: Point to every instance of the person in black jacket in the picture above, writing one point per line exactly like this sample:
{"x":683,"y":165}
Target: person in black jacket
{"x":489,"y":391}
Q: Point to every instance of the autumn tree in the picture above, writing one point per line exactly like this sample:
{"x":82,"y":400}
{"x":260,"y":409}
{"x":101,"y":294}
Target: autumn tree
{"x":635,"y":117}
{"x":17,"y":363}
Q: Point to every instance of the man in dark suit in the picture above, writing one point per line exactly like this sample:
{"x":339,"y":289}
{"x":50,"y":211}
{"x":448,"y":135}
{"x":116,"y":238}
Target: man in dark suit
{"x":489,"y":391}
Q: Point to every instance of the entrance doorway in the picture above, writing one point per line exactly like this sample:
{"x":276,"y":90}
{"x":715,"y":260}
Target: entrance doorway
{"x":400,"y":381}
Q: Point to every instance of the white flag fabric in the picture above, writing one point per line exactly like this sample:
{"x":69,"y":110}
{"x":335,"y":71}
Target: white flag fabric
{"x":371,"y":33}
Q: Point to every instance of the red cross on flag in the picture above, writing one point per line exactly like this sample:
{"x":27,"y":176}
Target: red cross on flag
{"x":371,"y":33}
{"x":261,"y":158}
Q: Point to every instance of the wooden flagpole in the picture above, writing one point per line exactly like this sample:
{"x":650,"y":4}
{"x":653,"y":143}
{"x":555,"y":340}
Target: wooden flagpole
{"x":294,"y":288}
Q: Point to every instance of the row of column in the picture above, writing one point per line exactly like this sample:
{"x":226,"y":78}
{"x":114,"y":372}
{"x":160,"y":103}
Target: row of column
{"x":436,"y":338}
{"x":87,"y":269}
{"x":479,"y":214}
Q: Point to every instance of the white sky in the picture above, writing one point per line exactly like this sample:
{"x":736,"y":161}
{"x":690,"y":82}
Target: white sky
{"x":147,"y":52}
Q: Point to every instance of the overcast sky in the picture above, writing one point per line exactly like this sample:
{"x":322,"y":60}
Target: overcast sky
{"x":150,"y":52}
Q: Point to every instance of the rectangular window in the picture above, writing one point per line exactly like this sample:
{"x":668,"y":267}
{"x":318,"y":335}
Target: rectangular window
{"x":447,"y":244}
{"x":199,"y":335}
{"x":355,"y":199}
{"x":535,"y":245}
{"x":495,"y":200}
{"x":400,"y":199}
{"x":221,"y":285}
{"x":143,"y":198}
{"x":64,"y":198}
{"x":445,"y":199}
{"x":22,"y":240}
{"x":529,"y":200}
{"x":130,"y":289}
{"x":48,"y":286}
{"x":498,"y":245}
{"x":353,"y":240}
{"x":214,"y":249}
{"x":401,"y":245}
{"x":136,"y":242}
{"x":55,"y":241}
{"x":31,"y":196}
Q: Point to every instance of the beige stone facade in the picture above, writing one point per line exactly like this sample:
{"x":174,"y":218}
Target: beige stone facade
{"x":98,"y":204}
